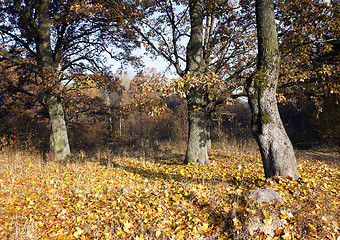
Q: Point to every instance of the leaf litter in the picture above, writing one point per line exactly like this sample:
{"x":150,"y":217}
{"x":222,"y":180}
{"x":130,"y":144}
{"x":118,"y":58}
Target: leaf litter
{"x":139,"y":199}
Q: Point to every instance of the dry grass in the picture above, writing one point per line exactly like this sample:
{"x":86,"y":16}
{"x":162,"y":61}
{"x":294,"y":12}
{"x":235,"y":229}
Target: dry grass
{"x":127,"y":198}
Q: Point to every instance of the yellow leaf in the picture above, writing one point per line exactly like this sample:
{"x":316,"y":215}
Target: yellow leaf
{"x":205,"y":226}
{"x":268,"y":221}
{"x":267,"y":218}
{"x":176,"y":198}
{"x":158,"y":234}
{"x":312,"y":227}
{"x":78,"y":232}
{"x":237,"y":223}
{"x":288,"y":236}
{"x":160,"y":210}
{"x":127,"y":226}
{"x":286,"y":216}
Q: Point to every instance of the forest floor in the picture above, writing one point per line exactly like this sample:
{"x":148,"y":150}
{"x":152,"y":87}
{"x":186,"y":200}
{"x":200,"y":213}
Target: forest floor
{"x":157,"y":197}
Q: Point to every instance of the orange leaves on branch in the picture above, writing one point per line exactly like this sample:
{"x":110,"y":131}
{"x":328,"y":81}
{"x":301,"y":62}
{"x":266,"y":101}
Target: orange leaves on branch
{"x":149,"y":89}
{"x":145,"y":94}
{"x":85,"y":9}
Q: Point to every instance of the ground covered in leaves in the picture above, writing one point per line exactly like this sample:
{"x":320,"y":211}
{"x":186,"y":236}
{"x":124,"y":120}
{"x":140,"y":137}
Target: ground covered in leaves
{"x":126,"y":198}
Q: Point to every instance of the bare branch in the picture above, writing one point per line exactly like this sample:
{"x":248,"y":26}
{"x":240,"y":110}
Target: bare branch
{"x":26,"y":13}
{"x":17,"y":39}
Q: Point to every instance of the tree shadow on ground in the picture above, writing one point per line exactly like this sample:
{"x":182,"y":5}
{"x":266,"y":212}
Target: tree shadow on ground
{"x":223,"y":220}
{"x":149,"y":174}
{"x":230,"y":179}
{"x":318,"y":156}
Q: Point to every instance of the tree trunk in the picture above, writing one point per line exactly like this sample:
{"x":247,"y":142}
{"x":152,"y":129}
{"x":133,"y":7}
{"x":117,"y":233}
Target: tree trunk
{"x":60,"y":139}
{"x":198,"y":140}
{"x":275,"y":146}
{"x":197,"y":151}
{"x":60,"y":144}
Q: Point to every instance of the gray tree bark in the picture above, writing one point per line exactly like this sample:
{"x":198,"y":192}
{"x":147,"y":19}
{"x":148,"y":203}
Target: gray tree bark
{"x":60,"y":144}
{"x":198,"y":137}
{"x":275,"y":146}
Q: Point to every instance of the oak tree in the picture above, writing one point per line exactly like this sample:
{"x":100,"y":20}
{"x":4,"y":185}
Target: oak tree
{"x":275,"y":146}
{"x":53,"y":40}
{"x":207,"y":44}
{"x":310,"y":63}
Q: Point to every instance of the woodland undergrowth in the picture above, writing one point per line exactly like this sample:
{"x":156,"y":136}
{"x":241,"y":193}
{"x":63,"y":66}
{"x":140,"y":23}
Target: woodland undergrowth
{"x":108,"y":197}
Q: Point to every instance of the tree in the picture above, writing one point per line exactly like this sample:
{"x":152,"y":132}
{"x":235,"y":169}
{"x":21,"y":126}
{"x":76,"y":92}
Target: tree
{"x":54,"y":40}
{"x":276,"y":149}
{"x":197,"y":151}
{"x":38,"y":33}
{"x":22,"y":119}
{"x":204,"y":41}
{"x":310,"y":62}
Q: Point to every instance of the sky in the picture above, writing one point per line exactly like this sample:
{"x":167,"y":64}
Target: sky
{"x":159,"y":63}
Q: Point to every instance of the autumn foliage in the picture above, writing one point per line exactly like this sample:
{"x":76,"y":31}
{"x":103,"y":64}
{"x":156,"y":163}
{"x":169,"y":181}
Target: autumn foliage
{"x":126,"y":177}
{"x":105,"y":197}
